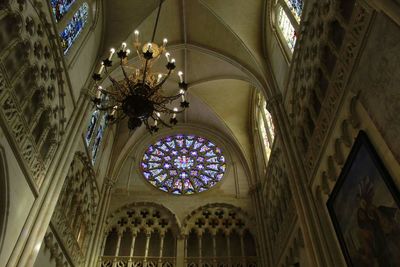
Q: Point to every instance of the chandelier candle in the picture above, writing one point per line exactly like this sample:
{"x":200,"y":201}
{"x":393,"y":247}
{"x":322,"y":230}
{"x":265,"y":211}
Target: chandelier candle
{"x":138,"y":95}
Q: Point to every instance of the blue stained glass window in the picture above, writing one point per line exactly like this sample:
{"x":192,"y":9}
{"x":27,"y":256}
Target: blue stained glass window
{"x":92,"y":125}
{"x":190,"y":169}
{"x":99,"y":137}
{"x":286,"y":28}
{"x":60,"y":8}
{"x":296,"y":6}
{"x":74,"y":27}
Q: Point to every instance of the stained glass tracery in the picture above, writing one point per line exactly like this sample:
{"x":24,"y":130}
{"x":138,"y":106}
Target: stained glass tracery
{"x":74,"y":27}
{"x":99,"y":137}
{"x":183,"y":164}
{"x":91,"y":126}
{"x":266,"y":126}
{"x":60,"y":8}
{"x":286,"y":28}
{"x":296,"y":6}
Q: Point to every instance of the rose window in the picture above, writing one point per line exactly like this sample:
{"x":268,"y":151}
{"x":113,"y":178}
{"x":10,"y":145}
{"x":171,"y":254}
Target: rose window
{"x":183,"y":164}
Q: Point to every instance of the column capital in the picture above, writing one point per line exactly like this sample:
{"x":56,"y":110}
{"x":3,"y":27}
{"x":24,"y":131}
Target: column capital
{"x":255,"y":188}
{"x":182,"y":236}
{"x":109,"y":182}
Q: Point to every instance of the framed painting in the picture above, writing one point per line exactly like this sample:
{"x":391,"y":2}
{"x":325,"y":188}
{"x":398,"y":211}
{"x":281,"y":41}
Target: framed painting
{"x":364,"y":208}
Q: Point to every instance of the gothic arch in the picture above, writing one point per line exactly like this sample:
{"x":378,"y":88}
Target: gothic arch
{"x":4,"y":196}
{"x":143,"y":233}
{"x":219,"y":234}
{"x":221,"y":212}
{"x":112,"y":220}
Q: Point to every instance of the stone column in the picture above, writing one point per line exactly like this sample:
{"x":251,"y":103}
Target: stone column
{"x":28,"y":244}
{"x":242,"y":249}
{"x":120,"y":233}
{"x":162,"y":235}
{"x":103,"y":245}
{"x":199,"y":237}
{"x":94,"y":248}
{"x":181,"y":251}
{"x":314,"y":237}
{"x":214,"y":248}
{"x":146,"y":252}
{"x":263,"y":248}
{"x":134,"y":234}
{"x":228,"y":248}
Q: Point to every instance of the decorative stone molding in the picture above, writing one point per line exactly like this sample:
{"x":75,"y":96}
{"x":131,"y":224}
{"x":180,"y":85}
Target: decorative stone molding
{"x":75,"y":214}
{"x":218,"y":216}
{"x":142,"y":215}
{"x":32,"y":85}
{"x":330,"y":41}
{"x":56,"y":252}
{"x":292,"y":253}
{"x":341,"y":144}
{"x":280,"y":212}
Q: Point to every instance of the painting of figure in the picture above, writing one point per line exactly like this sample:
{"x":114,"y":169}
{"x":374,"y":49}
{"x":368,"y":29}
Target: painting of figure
{"x":364,"y":207}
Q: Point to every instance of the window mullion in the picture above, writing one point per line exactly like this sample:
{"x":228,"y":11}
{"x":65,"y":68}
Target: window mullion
{"x":290,"y":16}
{"x":68,"y":16}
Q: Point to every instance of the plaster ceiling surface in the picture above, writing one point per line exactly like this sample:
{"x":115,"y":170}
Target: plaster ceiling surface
{"x":227,"y":27}
{"x":230,"y":100}
{"x":218,"y":45}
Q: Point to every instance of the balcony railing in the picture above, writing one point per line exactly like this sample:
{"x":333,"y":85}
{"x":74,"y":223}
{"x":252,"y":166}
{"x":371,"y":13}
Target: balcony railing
{"x":221,"y":262}
{"x":121,"y":261}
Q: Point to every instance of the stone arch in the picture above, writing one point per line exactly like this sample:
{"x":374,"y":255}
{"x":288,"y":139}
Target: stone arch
{"x":122,"y":212}
{"x":221,"y":212}
{"x":219,"y":234}
{"x":147,"y":231}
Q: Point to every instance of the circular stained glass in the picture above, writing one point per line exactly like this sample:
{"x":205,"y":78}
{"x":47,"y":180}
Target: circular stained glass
{"x":183,"y":164}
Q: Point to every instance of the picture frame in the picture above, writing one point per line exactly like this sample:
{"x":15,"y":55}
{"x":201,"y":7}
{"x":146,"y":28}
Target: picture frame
{"x":364,"y":209}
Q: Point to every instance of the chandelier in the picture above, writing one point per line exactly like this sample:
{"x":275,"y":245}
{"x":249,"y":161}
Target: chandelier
{"x":138,"y":96}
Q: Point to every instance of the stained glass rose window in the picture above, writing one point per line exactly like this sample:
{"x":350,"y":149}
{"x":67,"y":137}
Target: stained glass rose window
{"x":183,"y":164}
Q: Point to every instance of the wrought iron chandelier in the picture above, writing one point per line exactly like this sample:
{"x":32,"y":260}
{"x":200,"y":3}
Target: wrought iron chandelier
{"x":138,"y":95}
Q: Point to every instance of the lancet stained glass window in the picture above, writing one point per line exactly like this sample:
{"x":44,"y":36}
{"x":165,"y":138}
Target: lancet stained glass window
{"x":60,"y":8}
{"x":183,"y":164}
{"x":286,"y":28}
{"x":74,"y":27}
{"x":266,"y":126}
{"x":296,"y":6}
{"x":99,"y":137}
{"x":92,"y":126}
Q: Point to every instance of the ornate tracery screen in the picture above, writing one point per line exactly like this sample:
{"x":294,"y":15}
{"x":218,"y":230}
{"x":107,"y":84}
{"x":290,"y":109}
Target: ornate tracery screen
{"x":219,"y":235}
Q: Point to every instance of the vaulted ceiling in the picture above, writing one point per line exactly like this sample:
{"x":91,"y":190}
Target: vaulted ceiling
{"x":219,"y":46}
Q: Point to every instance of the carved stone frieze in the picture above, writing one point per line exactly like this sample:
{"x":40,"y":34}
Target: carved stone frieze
{"x":31,"y":59}
{"x":341,"y":144}
{"x":76,"y":211}
{"x":56,"y":252}
{"x":280,"y":211}
{"x":142,"y":215}
{"x":218,"y":217}
{"x":329,"y":44}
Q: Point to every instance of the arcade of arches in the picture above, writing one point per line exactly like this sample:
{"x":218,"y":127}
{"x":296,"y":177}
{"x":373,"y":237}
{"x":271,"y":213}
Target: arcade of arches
{"x":287,"y":156}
